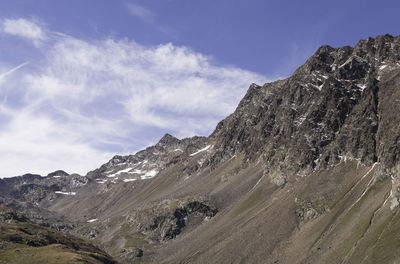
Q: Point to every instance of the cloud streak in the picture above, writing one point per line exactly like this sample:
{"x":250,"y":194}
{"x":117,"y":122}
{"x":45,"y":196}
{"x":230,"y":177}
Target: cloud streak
{"x":87,"y":100}
{"x":140,"y":12}
{"x":11,"y":71}
{"x":24,"y":28}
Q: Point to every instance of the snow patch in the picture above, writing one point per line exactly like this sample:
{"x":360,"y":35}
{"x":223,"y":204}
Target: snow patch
{"x":102,"y":182}
{"x":119,"y":172}
{"x":149,"y":174}
{"x":56,"y":176}
{"x":92,"y":220}
{"x":66,"y":193}
{"x":361,"y":86}
{"x":129,"y":180}
{"x":382,"y":67}
{"x":348,"y":60}
{"x":200,"y":150}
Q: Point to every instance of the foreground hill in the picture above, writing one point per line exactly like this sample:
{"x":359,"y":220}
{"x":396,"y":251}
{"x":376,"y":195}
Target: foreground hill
{"x":306,"y":170}
{"x":22,"y":241}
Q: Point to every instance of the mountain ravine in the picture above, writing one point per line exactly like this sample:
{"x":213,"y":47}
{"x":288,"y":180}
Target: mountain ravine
{"x":306,"y":170}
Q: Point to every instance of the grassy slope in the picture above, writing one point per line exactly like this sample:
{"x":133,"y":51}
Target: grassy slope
{"x":24,"y":242}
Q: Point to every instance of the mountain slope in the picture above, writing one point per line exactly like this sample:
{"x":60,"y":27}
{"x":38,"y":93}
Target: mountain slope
{"x":305,"y":170}
{"x":25,"y":242}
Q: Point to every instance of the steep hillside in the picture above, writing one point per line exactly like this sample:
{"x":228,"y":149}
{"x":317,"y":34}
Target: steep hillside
{"x":306,"y":170}
{"x":22,"y":241}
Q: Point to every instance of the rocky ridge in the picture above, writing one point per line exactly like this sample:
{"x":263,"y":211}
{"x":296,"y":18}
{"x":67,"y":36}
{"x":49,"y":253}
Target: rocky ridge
{"x":329,"y":110}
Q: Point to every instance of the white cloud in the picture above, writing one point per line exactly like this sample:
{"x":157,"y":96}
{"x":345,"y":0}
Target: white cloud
{"x":140,"y":11}
{"x":155,"y":85}
{"x":91,"y":99}
{"x":24,"y":28}
{"x":38,"y":144}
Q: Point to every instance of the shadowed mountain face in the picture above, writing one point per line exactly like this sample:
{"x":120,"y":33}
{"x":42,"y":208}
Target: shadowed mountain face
{"x":306,"y":170}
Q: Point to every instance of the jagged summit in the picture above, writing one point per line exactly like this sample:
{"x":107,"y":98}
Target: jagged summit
{"x":364,"y":58}
{"x":328,"y":109}
{"x":168,"y":139}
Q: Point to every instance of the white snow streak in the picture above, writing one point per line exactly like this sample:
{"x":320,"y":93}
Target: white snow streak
{"x":368,"y":185}
{"x":129,"y":180}
{"x":119,"y":172}
{"x":200,"y":150}
{"x":66,"y":193}
{"x":101,"y":181}
{"x":257,"y":182}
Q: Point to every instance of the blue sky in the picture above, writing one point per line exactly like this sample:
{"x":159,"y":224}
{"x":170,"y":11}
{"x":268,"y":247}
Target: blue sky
{"x":81,"y":81}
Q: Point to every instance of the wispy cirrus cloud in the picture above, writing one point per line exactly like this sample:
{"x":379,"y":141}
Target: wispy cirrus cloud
{"x":24,"y":28}
{"x":140,"y":12}
{"x":84,"y":101}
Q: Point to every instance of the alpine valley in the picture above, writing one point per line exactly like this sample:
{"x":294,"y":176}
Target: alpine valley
{"x":306,"y":170}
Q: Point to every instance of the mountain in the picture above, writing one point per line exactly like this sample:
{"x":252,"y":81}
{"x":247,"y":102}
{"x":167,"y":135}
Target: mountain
{"x":306,"y":170}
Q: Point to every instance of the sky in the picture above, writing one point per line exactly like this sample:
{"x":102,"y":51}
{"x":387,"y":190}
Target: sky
{"x":82,"y":81}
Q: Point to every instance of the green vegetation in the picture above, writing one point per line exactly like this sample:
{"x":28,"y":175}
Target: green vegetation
{"x":24,"y":242}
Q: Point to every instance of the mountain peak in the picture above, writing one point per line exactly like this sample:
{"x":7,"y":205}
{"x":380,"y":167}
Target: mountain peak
{"x":168,"y":139}
{"x":57,"y":173}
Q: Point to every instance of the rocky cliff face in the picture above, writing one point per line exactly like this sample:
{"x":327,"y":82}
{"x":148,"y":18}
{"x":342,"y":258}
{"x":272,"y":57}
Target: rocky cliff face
{"x":331,"y":109}
{"x":306,"y":166}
